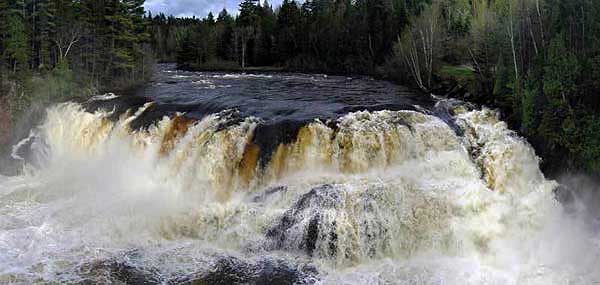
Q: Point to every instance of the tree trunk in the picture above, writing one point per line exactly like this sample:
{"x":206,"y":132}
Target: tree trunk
{"x":33,"y":31}
{"x":243,"y":53}
{"x":511,"y":34}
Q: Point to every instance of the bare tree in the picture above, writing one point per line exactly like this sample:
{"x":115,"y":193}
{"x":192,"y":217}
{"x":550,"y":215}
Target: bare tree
{"x":481,"y":40}
{"x":511,"y":36}
{"x":67,"y":37}
{"x":420,"y":44}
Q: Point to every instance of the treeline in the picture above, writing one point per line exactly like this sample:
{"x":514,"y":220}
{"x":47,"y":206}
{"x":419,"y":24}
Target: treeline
{"x":101,"y":40}
{"x":52,"y":49}
{"x":341,"y":36}
{"x":166,"y":33}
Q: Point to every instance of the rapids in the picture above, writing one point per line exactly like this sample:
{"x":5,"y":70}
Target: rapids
{"x":137,"y":190}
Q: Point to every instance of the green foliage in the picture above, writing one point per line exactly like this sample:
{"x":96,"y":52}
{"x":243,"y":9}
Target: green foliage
{"x":324,"y":35}
{"x":62,"y":82}
{"x":52,"y":50}
{"x":249,"y":14}
{"x":528,"y":110}
{"x":561,"y":73}
{"x":419,"y":47}
{"x":590,"y":154}
{"x":16,"y":45}
{"x":504,"y":92}
{"x":458,"y":16}
{"x":58,"y":84}
{"x":462,"y":73}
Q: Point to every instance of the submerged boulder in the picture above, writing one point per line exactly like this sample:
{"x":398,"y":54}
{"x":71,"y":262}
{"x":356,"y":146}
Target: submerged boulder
{"x":299,"y":229}
{"x":261,"y":197}
{"x":331,"y":221}
{"x":117,"y":271}
{"x":216,"y":270}
{"x":231,"y":270}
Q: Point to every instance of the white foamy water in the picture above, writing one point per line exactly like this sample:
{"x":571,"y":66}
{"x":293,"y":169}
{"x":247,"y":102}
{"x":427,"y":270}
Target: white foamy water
{"x":384,"y":198}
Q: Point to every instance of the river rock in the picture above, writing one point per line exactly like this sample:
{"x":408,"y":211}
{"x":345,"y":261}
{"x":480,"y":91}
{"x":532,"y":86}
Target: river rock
{"x":118,"y":271}
{"x":232,"y":270}
{"x":315,"y":222}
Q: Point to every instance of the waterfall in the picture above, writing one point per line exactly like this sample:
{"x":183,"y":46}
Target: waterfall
{"x":372,"y":197}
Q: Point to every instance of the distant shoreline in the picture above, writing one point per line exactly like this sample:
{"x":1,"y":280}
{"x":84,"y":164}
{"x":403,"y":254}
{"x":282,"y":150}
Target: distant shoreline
{"x":220,"y":67}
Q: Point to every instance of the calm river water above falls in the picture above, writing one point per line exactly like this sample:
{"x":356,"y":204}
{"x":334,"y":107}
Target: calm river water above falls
{"x":215,"y":178}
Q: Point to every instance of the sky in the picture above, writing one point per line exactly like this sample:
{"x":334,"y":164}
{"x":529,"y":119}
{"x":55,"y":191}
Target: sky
{"x":198,"y":8}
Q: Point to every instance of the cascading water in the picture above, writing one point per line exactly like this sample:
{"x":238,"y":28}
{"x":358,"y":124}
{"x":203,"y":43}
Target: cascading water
{"x":372,"y":197}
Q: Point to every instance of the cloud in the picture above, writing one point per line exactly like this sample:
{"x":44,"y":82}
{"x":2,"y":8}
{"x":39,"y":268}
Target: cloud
{"x":198,"y":8}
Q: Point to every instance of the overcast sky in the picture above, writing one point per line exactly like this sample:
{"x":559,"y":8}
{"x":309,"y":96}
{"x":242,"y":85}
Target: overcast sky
{"x":198,"y":8}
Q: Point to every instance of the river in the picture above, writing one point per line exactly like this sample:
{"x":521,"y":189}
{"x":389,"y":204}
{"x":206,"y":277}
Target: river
{"x":281,"y":178}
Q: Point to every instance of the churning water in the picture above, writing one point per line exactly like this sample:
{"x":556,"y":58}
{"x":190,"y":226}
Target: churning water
{"x":283,"y":178}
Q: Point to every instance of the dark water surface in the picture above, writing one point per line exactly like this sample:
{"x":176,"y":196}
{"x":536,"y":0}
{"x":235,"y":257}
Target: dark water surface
{"x":275,"y":97}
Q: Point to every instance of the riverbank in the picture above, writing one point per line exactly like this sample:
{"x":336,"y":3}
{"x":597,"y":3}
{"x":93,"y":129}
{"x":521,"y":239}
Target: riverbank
{"x":24,"y":97}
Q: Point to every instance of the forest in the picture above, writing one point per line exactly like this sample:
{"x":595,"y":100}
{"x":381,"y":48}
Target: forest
{"x":538,"y":61}
{"x":54,"y":50}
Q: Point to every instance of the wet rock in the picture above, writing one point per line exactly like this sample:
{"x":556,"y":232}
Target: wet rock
{"x":378,"y":107}
{"x":564,"y":194}
{"x":231,"y":270}
{"x":153,"y":114}
{"x":313,"y":225}
{"x":118,"y":105}
{"x":268,"y":136}
{"x":229,"y":118}
{"x":293,"y":224}
{"x":118,"y":271}
{"x":446,"y":110}
{"x":267,"y":193}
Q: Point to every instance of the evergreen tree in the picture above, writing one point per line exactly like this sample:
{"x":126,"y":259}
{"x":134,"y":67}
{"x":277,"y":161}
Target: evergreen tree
{"x":247,"y":24}
{"x":17,"y":39}
{"x":288,"y":27}
{"x":226,"y":36}
{"x":4,"y":16}
{"x":265,"y":43}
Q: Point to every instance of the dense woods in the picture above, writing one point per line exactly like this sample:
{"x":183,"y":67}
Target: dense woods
{"x":536,"y":60}
{"x":333,"y":36}
{"x":56,"y":49}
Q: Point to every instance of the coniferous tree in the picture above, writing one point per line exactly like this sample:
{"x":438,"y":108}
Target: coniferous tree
{"x":247,"y":23}
{"x":4,"y":16}
{"x":226,"y":36}
{"x":288,"y":26}
{"x":17,"y":39}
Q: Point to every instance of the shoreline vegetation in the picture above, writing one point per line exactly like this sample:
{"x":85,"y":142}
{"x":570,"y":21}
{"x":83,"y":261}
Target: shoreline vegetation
{"x":54,"y":50}
{"x":535,"y":60}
